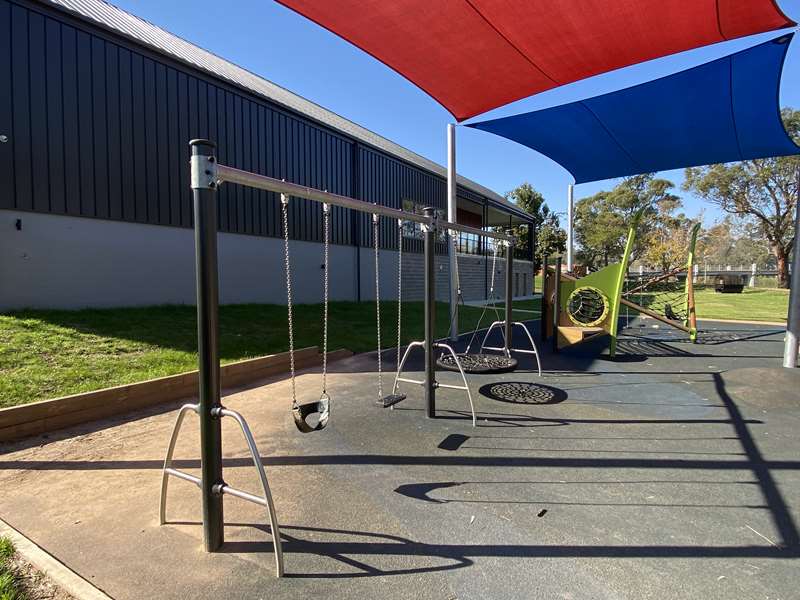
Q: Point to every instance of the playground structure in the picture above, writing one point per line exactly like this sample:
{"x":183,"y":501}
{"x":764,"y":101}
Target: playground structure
{"x":575,"y":310}
{"x":206,"y":177}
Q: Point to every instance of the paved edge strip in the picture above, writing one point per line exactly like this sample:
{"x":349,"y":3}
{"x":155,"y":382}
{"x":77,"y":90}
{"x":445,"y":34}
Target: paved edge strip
{"x":61,"y":575}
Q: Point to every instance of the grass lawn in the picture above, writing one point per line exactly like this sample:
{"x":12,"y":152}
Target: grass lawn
{"x":49,"y":353}
{"x":753,"y":304}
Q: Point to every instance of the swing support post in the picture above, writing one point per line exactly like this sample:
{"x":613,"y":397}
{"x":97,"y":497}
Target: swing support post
{"x":204,"y":192}
{"x":430,"y":311}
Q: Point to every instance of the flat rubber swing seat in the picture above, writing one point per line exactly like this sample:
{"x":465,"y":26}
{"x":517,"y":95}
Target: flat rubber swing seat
{"x":391,"y":400}
{"x":478,"y":363}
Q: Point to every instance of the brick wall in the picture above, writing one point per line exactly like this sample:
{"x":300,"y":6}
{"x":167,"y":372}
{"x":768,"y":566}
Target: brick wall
{"x":474,"y":273}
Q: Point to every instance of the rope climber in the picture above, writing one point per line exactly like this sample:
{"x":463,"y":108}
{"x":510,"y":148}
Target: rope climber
{"x":664,"y":294}
{"x":587,"y":306}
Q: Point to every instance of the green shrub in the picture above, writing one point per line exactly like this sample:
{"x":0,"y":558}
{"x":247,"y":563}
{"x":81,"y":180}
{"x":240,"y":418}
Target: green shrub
{"x":9,"y":582}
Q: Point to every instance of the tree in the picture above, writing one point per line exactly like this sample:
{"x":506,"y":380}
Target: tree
{"x":551,"y":239}
{"x":731,"y":242}
{"x":602,"y":221}
{"x":599,"y":230}
{"x":761,"y":192}
{"x":668,"y":246}
{"x":532,"y":202}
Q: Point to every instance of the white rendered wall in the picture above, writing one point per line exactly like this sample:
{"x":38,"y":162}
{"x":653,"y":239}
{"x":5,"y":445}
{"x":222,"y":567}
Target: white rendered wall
{"x":72,"y":262}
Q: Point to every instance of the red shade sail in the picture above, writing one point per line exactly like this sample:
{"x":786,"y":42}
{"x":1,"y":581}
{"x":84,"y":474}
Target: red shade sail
{"x":475,"y":55}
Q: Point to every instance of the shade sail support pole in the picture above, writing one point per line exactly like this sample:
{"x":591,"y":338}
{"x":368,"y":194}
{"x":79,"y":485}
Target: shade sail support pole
{"x":570,"y":230}
{"x":793,"y":318}
{"x":452,"y":216}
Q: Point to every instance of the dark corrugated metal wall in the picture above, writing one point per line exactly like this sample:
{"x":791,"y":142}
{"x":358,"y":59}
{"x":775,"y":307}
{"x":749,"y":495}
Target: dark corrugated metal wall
{"x":392,"y":181}
{"x":98,"y":129}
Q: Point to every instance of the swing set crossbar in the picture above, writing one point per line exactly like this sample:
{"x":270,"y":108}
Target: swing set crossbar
{"x":224,"y":173}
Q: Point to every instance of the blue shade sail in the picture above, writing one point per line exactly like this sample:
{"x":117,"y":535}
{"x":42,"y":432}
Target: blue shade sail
{"x":722,"y":111}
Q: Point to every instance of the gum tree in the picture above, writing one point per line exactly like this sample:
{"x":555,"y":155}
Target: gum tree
{"x":551,"y":238}
{"x":762,"y":192}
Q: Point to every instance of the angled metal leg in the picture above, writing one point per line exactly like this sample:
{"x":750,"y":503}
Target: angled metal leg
{"x":501,"y":325}
{"x":534,"y":350}
{"x":463,"y":378}
{"x":265,"y":500}
{"x":507,"y":351}
{"x":167,"y":470}
{"x":397,"y":377}
{"x":270,"y":506}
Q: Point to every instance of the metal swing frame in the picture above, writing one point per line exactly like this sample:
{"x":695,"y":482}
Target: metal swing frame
{"x":205,"y":178}
{"x":508,"y":349}
{"x":504,"y":326}
{"x":436,"y":346}
{"x":223,"y":488}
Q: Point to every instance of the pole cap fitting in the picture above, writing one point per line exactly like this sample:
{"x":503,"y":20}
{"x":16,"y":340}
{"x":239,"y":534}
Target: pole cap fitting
{"x":202,"y":146}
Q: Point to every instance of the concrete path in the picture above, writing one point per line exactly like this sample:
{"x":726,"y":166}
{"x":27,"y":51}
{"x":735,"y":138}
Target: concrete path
{"x":670,"y":473}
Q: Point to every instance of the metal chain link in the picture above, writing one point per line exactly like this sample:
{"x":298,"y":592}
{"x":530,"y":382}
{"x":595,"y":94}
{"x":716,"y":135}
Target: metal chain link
{"x":495,"y":296}
{"x":399,"y":285}
{"x":375,"y":229}
{"x":459,"y":297}
{"x":326,"y":218}
{"x":494,"y":267}
{"x":490,"y":299}
{"x":287,"y":266}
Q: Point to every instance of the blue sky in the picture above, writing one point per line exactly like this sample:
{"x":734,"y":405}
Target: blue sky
{"x":289,"y":50}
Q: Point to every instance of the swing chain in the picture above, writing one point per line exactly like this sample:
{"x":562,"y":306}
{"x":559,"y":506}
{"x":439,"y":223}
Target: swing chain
{"x":285,"y":211}
{"x":492,"y":298}
{"x":375,"y":230}
{"x":326,"y":217}
{"x":459,"y":296}
{"x":399,"y":285}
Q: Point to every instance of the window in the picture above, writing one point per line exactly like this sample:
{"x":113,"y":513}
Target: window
{"x":468,"y":243}
{"x":412,"y":230}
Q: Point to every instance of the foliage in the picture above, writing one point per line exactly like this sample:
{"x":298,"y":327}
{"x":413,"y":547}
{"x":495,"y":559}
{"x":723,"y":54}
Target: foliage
{"x":667,"y":246}
{"x":6,"y":549}
{"x":530,"y":200}
{"x":762,"y":192}
{"x":732,"y":242}
{"x":10,"y":588}
{"x":599,"y":231}
{"x":602,"y":221}
{"x":551,"y":238}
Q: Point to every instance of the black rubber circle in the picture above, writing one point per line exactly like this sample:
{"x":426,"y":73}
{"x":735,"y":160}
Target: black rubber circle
{"x":478,"y":363}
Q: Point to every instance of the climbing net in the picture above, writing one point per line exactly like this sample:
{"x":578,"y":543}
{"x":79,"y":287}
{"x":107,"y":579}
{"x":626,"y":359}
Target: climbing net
{"x":663,"y":293}
{"x":587,"y":306}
